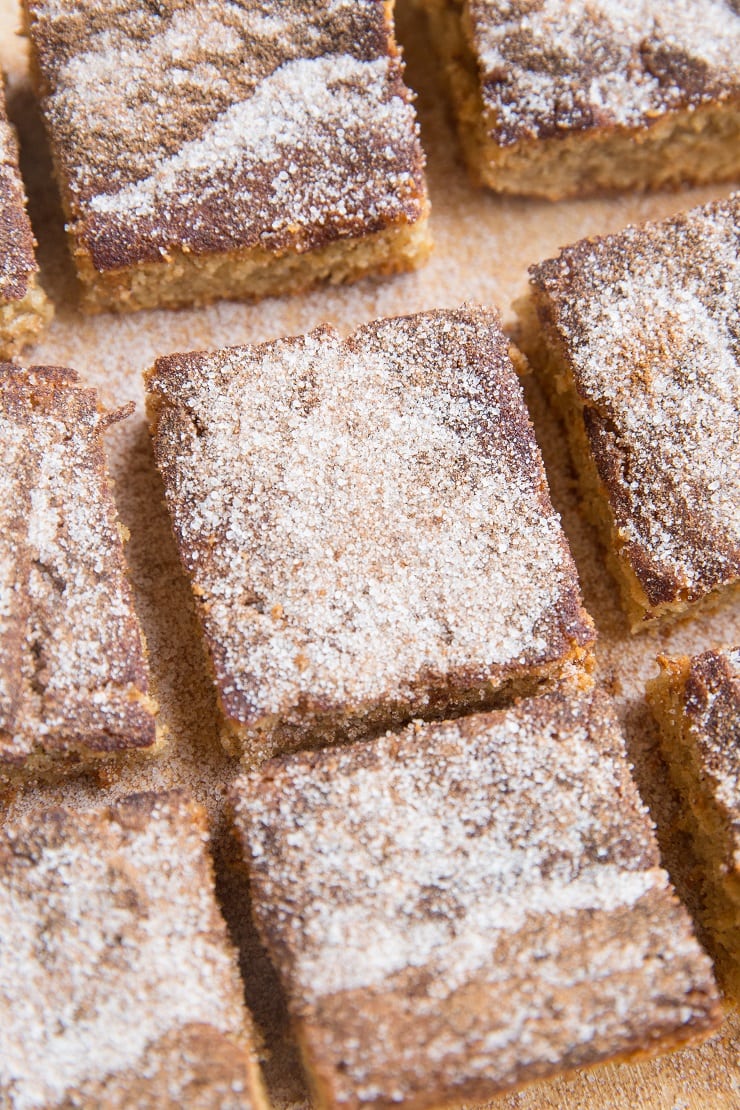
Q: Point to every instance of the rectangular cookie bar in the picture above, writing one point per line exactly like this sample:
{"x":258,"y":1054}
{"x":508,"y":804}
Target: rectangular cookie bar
{"x":73,"y":680}
{"x":118,"y":984}
{"x":367,"y":527}
{"x":24,"y":309}
{"x":209,"y":150}
{"x":559,"y":98}
{"x":697,"y":704}
{"x":469,"y":906}
{"x":635,"y":337}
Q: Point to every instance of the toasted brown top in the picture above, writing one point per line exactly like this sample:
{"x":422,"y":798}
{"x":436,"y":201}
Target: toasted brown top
{"x":114,"y":959}
{"x":547,"y":67}
{"x":648,"y":321}
{"x":712,"y":706}
{"x":365,"y":519}
{"x":207,"y":126}
{"x":469,"y":904}
{"x":72,"y":671}
{"x":17,"y":260}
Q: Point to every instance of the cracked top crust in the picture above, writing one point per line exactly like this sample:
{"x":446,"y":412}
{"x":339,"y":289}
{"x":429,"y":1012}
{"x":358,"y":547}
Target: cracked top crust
{"x":365,"y":521}
{"x":648,"y":323}
{"x":205,"y":126}
{"x":547,"y":67}
{"x":470,"y":905}
{"x":17,"y":259}
{"x":118,"y":985}
{"x":72,"y":671}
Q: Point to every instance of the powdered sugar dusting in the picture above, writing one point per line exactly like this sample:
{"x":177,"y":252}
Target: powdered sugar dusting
{"x":216,"y":126}
{"x":73,"y":657}
{"x":556,"y":65}
{"x":648,"y":320}
{"x":471,"y":852}
{"x":111,"y":939}
{"x":363,"y":520}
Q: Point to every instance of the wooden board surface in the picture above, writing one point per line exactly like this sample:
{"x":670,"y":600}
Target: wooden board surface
{"x":483,"y":247}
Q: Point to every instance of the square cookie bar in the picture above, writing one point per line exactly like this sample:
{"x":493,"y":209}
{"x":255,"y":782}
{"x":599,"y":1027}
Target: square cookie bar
{"x":367,"y":527}
{"x":24,"y":309}
{"x":73,"y":681}
{"x":209,"y":150}
{"x":469,"y":906}
{"x":635,"y":336}
{"x":118,"y":984}
{"x":559,"y":98}
{"x":697,"y":703}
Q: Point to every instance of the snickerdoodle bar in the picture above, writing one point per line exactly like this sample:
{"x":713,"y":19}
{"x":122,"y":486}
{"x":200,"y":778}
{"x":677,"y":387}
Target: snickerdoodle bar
{"x":367,"y":527}
{"x":118,"y":983}
{"x":73,"y":678}
{"x":209,"y":150}
{"x":469,"y":906}
{"x":635,"y":337}
{"x":560,"y":98}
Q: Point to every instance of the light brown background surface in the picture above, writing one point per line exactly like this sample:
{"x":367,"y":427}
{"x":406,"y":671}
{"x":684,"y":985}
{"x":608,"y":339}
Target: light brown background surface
{"x":483,"y":247}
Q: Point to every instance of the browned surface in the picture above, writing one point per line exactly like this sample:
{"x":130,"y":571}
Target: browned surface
{"x":484,"y":246}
